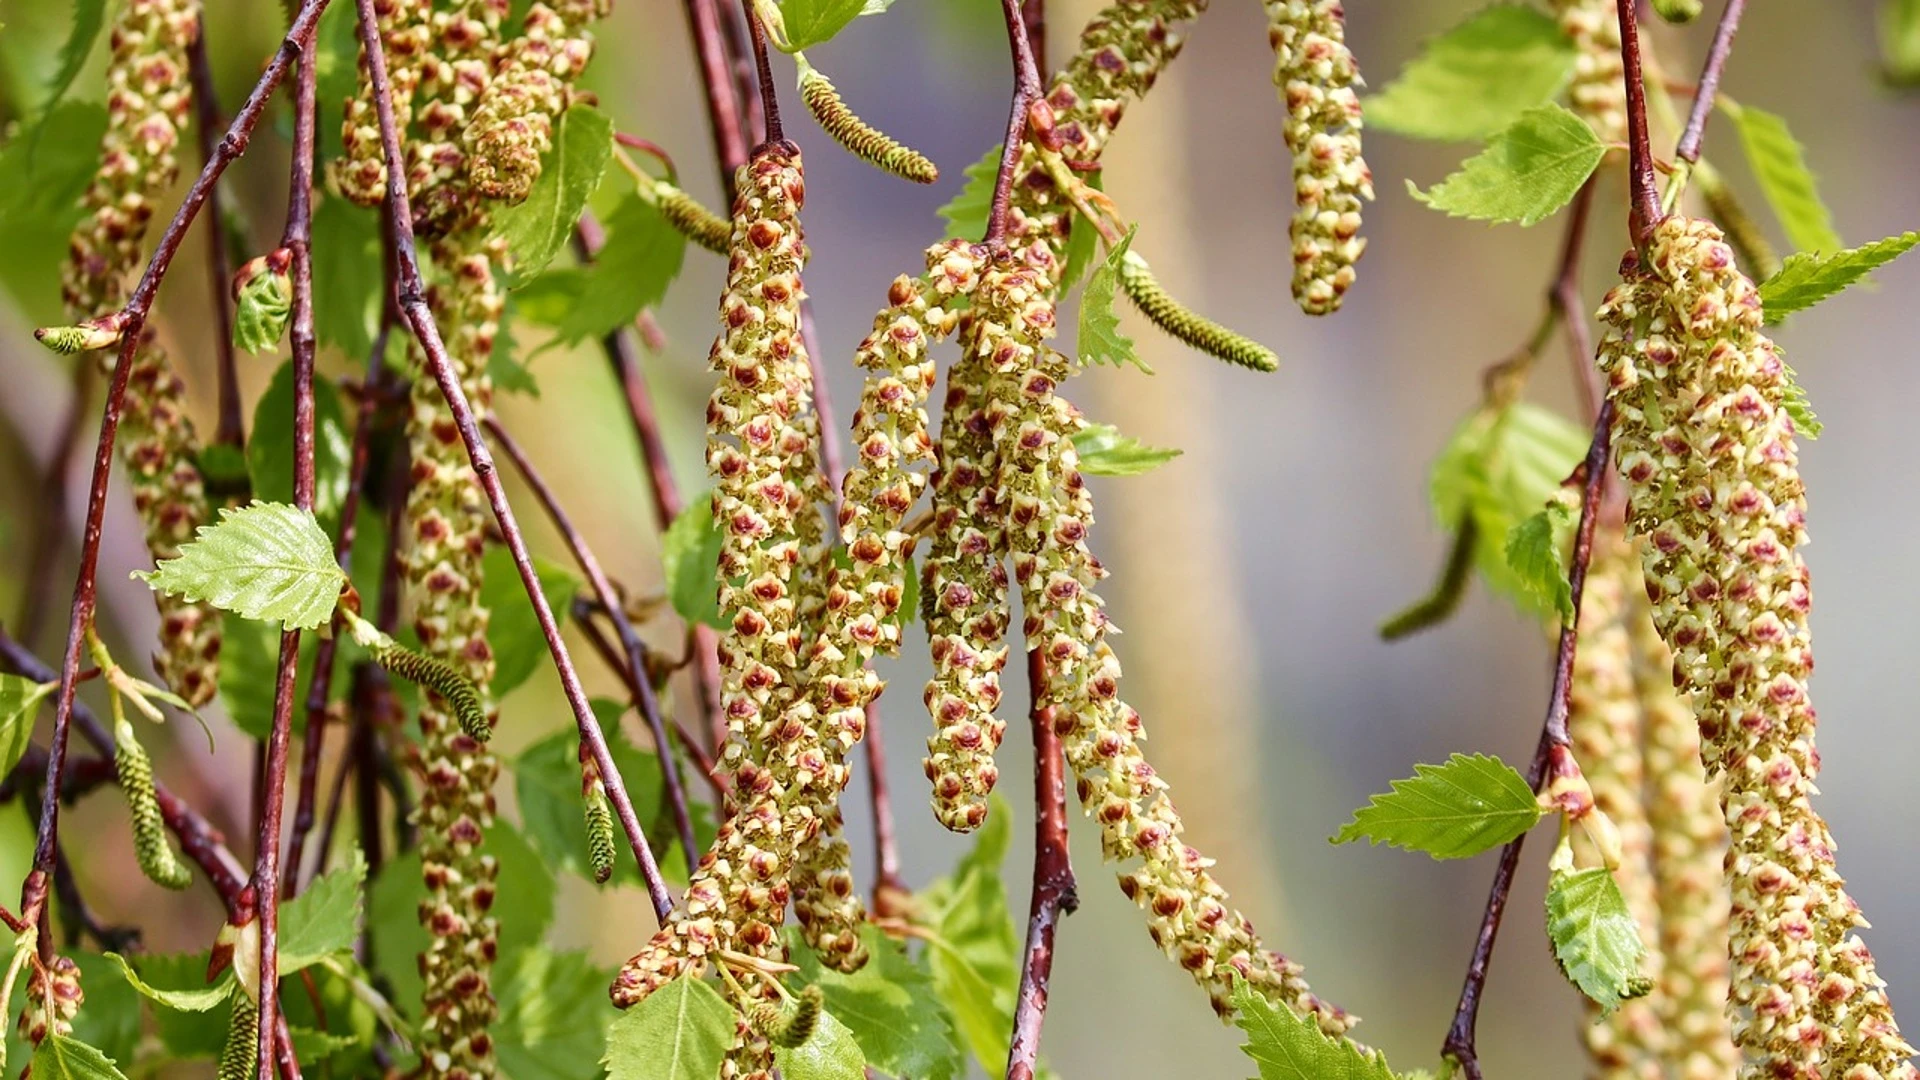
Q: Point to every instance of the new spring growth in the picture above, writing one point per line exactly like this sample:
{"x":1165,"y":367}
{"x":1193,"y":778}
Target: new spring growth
{"x":790,"y":1026}
{"x":1169,"y":314}
{"x":599,"y":815}
{"x":263,"y":301}
{"x":101,"y":333}
{"x":1677,"y":11}
{"x":860,"y":138}
{"x":242,"y":1048}
{"x":458,"y":691}
{"x":135,"y":772}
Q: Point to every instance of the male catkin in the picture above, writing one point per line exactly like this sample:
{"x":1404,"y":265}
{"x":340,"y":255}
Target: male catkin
{"x":150,"y":846}
{"x":1185,"y":325}
{"x":861,"y":139}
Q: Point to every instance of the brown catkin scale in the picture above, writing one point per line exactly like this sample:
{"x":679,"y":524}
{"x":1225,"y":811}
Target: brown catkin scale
{"x":1707,"y":447}
{"x":532,"y":83}
{"x":1598,"y":92}
{"x":58,"y":982}
{"x":148,"y":97}
{"x":1316,"y":74}
{"x":861,"y":139}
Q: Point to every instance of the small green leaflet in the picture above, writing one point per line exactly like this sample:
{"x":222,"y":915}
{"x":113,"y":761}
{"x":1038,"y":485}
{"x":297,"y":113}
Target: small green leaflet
{"x":261,"y":311}
{"x":1594,"y":937}
{"x":1525,"y":173}
{"x":1288,"y":1047}
{"x":270,"y":447}
{"x":198,"y":999}
{"x":265,"y":561}
{"x":537,"y":228}
{"x":890,"y":1007}
{"x":1804,"y":280}
{"x":63,"y":1058}
{"x":1101,"y":339}
{"x":19,"y":697}
{"x":1476,"y":78}
{"x":1900,"y":41}
{"x":519,"y":647}
{"x":324,"y":919}
{"x":1452,"y":811}
{"x":1105,"y":452}
{"x":1534,"y":555}
{"x":1780,"y":164}
{"x":640,"y":259}
{"x":690,"y":558}
{"x":966,"y":213}
{"x":346,"y":261}
{"x":680,"y":1032}
{"x":810,"y":22}
{"x":831,"y":1053}
{"x":88,"y":17}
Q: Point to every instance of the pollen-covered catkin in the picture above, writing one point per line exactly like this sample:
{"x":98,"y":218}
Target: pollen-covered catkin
{"x":148,"y":97}
{"x":150,"y":845}
{"x":532,"y":84}
{"x":860,"y":138}
{"x":1707,"y":447}
{"x":1186,"y":325}
{"x":57,"y":982}
{"x":1316,"y":74}
{"x":1599,"y":89}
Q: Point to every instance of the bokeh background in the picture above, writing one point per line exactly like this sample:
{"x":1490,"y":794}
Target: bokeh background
{"x":1249,"y":574}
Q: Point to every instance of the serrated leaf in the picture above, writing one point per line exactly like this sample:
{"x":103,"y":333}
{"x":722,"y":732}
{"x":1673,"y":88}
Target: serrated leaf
{"x":1478,"y":77}
{"x":519,"y":646}
{"x":323,"y":920}
{"x":1101,"y":340}
{"x":1289,"y":1047}
{"x":1804,"y":280}
{"x":537,"y":228}
{"x":830,"y":1053}
{"x":640,"y":259}
{"x":19,"y":698}
{"x":889,"y":1005}
{"x":184,"y":1034}
{"x":270,"y":447}
{"x":1534,"y":550}
{"x":547,"y":1029}
{"x":61,"y":1057}
{"x":810,"y":22}
{"x":690,"y":559}
{"x":1105,"y":452}
{"x":1527,"y":171}
{"x":1594,"y":936}
{"x":264,"y":561}
{"x":111,"y":1020}
{"x":198,"y":999}
{"x":680,"y":1032}
{"x":1793,"y":398}
{"x":347,"y":271}
{"x":1780,"y":164}
{"x":261,"y":310}
{"x":966,"y":213}
{"x":88,"y":17}
{"x":1452,"y":811}
{"x":974,"y":946}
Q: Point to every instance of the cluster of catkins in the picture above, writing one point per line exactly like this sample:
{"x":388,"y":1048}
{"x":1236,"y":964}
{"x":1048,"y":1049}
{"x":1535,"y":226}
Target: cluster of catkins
{"x":1706,"y":444}
{"x":1599,"y":89}
{"x":148,"y":96}
{"x":1317,"y":76}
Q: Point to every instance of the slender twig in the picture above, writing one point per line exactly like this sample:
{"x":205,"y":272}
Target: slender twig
{"x":1646,"y":194}
{"x":583,"y":611}
{"x":724,"y":114}
{"x":1054,"y":893}
{"x":1026,"y":91}
{"x":770,"y":129}
{"x":630,"y":638}
{"x":889,"y":888}
{"x":50,"y":528}
{"x":413,"y":307}
{"x":1459,"y":1044}
{"x":231,"y":430}
{"x":1688,"y":148}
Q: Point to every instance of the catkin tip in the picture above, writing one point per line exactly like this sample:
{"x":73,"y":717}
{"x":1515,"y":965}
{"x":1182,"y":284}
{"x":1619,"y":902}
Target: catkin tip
{"x":789,"y":1029}
{"x":860,"y":138}
{"x":461,"y":696}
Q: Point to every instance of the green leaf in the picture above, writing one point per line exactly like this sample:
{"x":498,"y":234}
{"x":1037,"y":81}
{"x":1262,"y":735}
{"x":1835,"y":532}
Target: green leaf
{"x":519,"y":646}
{"x":1900,"y":41}
{"x":974,"y":945}
{"x":1595,"y":938}
{"x":19,"y":697}
{"x":1793,"y":398}
{"x":270,"y":447}
{"x":1805,"y":280}
{"x":1452,"y":811}
{"x":199,"y":999}
{"x":1105,"y":452}
{"x":1534,"y":550}
{"x":41,"y":185}
{"x":263,"y":308}
{"x":537,"y":228}
{"x":1478,"y":77}
{"x":88,"y":17}
{"x":334,"y":1012}
{"x":111,"y":1020}
{"x":249,"y":666}
{"x":680,"y":1032}
{"x":690,"y":558}
{"x":549,"y":1002}
{"x":1526,"y":172}
{"x":184,"y":1034}
{"x":890,"y":1007}
{"x":966,"y":213}
{"x":265,"y":561}
{"x":312,"y":1046}
{"x":61,"y":1057}
{"x":1289,"y":1047}
{"x":1101,"y":339}
{"x":830,"y":1053}
{"x":323,"y":920}
{"x":640,"y":259}
{"x":810,"y":22}
{"x":347,"y":271}
{"x":1780,"y":165}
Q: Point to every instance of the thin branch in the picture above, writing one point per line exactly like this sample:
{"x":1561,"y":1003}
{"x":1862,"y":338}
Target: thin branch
{"x":1688,"y":148}
{"x":1591,"y":473}
{"x":583,"y":611}
{"x":231,"y":430}
{"x":890,"y":891}
{"x":724,"y":115}
{"x":771,"y":131}
{"x":413,"y":307}
{"x":1646,"y":194}
{"x":1026,"y":91}
{"x":636,"y":650}
{"x":50,"y":528}
{"x":1054,"y":892}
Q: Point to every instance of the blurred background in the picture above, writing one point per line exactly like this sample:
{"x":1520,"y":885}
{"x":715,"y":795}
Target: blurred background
{"x":1250,"y":573}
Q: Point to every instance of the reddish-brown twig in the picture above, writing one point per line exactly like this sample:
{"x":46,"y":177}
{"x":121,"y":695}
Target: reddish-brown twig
{"x":1054,"y":893}
{"x":1688,"y":149}
{"x":725,"y":116}
{"x":1026,"y":91}
{"x":1640,"y":176}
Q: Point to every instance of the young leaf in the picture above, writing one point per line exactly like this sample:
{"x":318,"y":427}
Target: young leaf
{"x":966,"y":213}
{"x":830,"y":1053}
{"x":324,"y":919}
{"x":346,"y":262}
{"x":544,"y":998}
{"x":1805,"y":280}
{"x":61,"y":1057}
{"x":1476,"y":78}
{"x":265,"y":561}
{"x":519,"y":647}
{"x":88,"y":17}
{"x":1780,"y":165}
{"x":1452,"y":811}
{"x":537,"y":229}
{"x":810,"y":22}
{"x":249,"y":664}
{"x":974,"y":946}
{"x":1101,"y":339}
{"x":1534,"y":550}
{"x":890,"y":1007}
{"x":1289,"y":1047}
{"x":19,"y":697}
{"x":640,"y":259}
{"x":680,"y":1032}
{"x":690,"y":557}
{"x":1594,"y":936}
{"x":1105,"y":452}
{"x":270,"y":448}
{"x":1526,"y":172}
{"x":198,"y":999}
